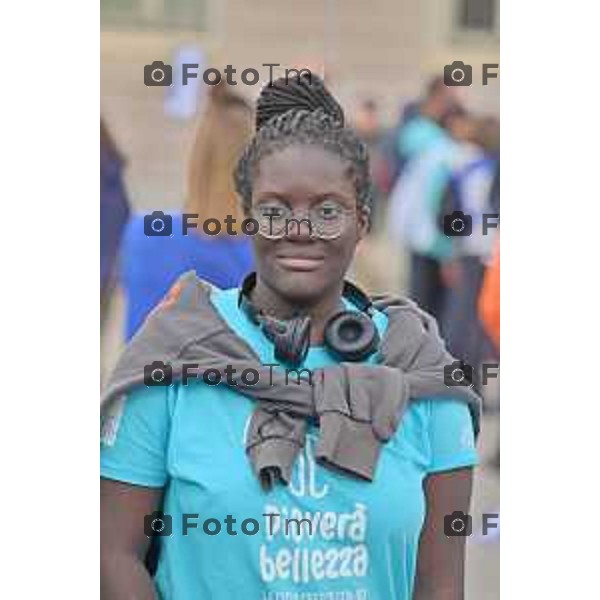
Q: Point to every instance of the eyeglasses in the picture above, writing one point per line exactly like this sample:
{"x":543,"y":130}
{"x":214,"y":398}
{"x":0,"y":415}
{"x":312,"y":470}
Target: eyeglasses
{"x":325,"y":221}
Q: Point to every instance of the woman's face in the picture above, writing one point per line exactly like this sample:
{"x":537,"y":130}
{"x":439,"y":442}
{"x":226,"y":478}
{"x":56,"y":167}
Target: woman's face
{"x":300,"y":268}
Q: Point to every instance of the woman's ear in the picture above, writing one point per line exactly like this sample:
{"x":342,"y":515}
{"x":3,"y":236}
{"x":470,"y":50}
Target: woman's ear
{"x":364,"y":222}
{"x":246,"y":207}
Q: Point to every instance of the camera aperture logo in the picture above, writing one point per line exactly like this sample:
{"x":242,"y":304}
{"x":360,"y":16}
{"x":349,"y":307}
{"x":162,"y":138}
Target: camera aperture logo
{"x":157,"y":524}
{"x":458,"y":73}
{"x":460,"y":224}
{"x":460,"y":524}
{"x":460,"y":373}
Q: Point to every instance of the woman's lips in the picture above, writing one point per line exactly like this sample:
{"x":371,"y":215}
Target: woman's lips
{"x":300,"y":263}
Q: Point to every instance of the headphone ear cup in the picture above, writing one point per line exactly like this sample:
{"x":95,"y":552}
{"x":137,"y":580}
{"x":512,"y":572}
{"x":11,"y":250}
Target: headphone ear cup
{"x":351,"y":336}
{"x":290,"y":338}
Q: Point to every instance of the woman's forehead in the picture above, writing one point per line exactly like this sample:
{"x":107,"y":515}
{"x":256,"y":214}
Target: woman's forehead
{"x":306,"y":167}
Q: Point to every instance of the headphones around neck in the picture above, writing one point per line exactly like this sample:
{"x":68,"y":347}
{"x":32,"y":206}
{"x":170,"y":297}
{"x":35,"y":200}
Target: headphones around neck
{"x":350,"y":336}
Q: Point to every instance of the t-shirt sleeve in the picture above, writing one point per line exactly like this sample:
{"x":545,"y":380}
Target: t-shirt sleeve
{"x":451,"y":436}
{"x":135,"y":435}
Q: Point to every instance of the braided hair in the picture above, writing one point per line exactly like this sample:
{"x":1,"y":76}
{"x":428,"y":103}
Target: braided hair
{"x":302,"y":111}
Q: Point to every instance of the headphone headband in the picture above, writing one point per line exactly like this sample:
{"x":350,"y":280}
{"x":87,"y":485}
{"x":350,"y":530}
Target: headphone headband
{"x":349,"y":335}
{"x":359,"y":298}
{"x":244,"y":302}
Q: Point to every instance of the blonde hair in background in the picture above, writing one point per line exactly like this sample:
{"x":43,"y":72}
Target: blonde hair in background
{"x":225,"y":128}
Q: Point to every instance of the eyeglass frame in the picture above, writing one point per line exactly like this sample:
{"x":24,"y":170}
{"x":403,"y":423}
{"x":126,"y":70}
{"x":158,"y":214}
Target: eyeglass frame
{"x":303,"y":218}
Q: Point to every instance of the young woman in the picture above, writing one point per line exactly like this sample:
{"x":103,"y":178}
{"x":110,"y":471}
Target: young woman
{"x":184,"y":448}
{"x":150,"y":265}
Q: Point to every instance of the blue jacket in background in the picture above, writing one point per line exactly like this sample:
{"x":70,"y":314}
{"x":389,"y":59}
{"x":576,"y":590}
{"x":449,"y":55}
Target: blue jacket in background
{"x":151,"y":265}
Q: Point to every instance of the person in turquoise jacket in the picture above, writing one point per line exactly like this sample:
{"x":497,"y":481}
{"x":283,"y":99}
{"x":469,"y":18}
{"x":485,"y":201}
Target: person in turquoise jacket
{"x":426,"y":148}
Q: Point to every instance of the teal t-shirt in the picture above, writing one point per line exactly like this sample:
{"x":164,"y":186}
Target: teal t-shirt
{"x":326,"y":536}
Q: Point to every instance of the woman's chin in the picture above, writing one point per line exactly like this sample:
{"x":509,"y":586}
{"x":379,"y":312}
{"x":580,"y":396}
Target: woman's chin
{"x":301,"y":286}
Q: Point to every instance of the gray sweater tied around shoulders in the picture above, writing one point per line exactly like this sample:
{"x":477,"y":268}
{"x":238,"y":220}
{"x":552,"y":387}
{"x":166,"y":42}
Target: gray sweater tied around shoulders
{"x":357,"y":406}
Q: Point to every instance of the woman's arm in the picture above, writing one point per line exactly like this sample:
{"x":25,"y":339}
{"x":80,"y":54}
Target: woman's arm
{"x":440,"y":563}
{"x":123,"y":543}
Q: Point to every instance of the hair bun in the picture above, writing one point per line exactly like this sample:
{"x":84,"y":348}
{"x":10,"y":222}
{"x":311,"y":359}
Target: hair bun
{"x":303,"y":92}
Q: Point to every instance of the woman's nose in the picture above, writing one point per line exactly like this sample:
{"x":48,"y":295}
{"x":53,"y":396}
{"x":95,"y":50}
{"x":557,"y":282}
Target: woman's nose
{"x":299,"y":227}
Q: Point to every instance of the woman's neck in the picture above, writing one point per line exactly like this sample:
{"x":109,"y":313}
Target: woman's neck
{"x":273,"y":304}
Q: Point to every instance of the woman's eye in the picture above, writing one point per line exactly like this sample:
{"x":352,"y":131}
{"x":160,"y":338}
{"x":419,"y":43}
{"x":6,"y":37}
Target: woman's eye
{"x":273,"y":212}
{"x":329,"y":211}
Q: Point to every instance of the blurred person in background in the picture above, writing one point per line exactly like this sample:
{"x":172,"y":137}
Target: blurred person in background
{"x":432,"y":107}
{"x":489,"y":299}
{"x":151,"y":264}
{"x":423,"y":125}
{"x":114,"y":212}
{"x":368,"y":126}
{"x":373,"y":262}
{"x":469,"y":191}
{"x":489,"y":313}
{"x":417,"y":199}
{"x":490,"y":140}
{"x":393,"y":158}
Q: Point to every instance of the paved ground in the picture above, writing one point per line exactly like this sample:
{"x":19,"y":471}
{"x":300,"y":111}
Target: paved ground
{"x":483,"y":554}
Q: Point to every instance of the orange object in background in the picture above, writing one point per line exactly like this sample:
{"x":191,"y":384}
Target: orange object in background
{"x":489,"y":299}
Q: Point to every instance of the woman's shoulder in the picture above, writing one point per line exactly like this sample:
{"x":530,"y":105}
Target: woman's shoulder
{"x":403,"y":312}
{"x":445,"y":426}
